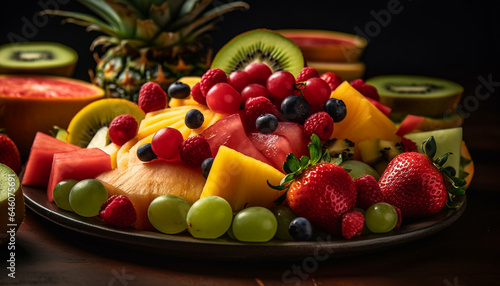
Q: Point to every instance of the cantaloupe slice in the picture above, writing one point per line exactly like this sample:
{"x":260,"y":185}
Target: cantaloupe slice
{"x":142,"y":183}
{"x":242,"y":180}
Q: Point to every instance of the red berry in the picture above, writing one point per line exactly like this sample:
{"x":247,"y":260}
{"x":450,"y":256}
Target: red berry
{"x":118,"y":210}
{"x":194,"y":150}
{"x":281,"y":84}
{"x":122,"y":128}
{"x":257,"y":106}
{"x":254,"y":90}
{"x":400,"y":218}
{"x":211,"y":78}
{"x":368,"y":192}
{"x":9,"y":154}
{"x":408,"y":145}
{"x":152,"y":97}
{"x":223,"y":98}
{"x":333,"y":80}
{"x":238,"y":80}
{"x":166,"y":143}
{"x":259,"y":72}
{"x":352,"y":224}
{"x":197,"y":95}
{"x":365,"y":89}
{"x":316,"y":91}
{"x":321,"y":124}
{"x":307,"y":73}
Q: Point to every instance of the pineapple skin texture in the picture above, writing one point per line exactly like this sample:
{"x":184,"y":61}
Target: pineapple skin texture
{"x":242,"y":180}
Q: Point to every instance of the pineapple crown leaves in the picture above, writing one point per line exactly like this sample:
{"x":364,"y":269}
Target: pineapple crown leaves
{"x":156,"y":23}
{"x":453,"y":184}
{"x":294,"y":166}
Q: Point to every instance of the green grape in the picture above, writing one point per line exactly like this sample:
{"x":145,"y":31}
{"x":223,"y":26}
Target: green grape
{"x":254,"y":224}
{"x":87,"y":196}
{"x":168,"y":213}
{"x":381,"y":217}
{"x":61,"y":194}
{"x":209,"y":217}
{"x":358,"y":169}
{"x":284,"y":216}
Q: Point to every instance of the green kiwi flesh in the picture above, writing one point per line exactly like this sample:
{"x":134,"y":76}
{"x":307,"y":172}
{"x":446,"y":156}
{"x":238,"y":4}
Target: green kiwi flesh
{"x":417,"y":95}
{"x":260,"y":45}
{"x":38,"y":58}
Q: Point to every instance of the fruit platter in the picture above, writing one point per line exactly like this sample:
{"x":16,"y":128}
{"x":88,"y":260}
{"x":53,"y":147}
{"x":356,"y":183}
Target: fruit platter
{"x":258,"y":156}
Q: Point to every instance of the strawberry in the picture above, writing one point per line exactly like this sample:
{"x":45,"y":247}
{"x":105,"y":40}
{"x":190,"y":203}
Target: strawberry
{"x":417,"y":184}
{"x":368,"y":191}
{"x":9,"y":155}
{"x":352,"y":224}
{"x":119,"y":211}
{"x":152,"y":97}
{"x":318,"y":190}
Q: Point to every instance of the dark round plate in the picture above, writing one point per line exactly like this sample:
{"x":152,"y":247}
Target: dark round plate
{"x":226,"y":249}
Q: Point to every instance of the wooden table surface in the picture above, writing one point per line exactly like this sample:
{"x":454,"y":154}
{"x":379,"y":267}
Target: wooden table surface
{"x":466,"y":253}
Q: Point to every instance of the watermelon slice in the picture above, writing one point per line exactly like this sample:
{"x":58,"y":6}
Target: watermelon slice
{"x":39,"y":163}
{"x":274,"y":147}
{"x":230,"y":132}
{"x":295,"y":134}
{"x":78,"y":165}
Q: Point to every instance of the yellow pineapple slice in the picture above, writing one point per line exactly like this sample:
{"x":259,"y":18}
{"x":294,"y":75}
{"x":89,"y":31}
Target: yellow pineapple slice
{"x":174,"y":122}
{"x":191,"y":81}
{"x":216,"y":117}
{"x":242,"y":180}
{"x":363,"y":120}
{"x":122,"y":154}
{"x":142,"y":183}
{"x":158,"y":115}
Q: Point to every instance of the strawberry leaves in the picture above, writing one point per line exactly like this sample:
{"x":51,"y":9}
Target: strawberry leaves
{"x":453,"y":184}
{"x":294,"y":167}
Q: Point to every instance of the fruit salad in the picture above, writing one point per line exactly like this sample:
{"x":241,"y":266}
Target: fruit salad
{"x":257,"y":148}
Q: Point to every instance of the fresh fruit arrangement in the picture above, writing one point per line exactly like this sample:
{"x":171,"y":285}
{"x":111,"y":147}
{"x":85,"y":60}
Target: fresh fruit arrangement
{"x":257,"y":148}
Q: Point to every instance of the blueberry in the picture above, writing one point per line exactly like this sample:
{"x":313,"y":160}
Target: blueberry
{"x":295,"y":108}
{"x":145,"y":153}
{"x":179,"y":90}
{"x":301,"y":229}
{"x":206,"y":165}
{"x":336,"y":109}
{"x":194,"y":119}
{"x":266,"y":123}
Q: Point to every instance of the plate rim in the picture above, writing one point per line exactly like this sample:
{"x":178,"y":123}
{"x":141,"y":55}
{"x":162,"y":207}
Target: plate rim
{"x":224,"y":249}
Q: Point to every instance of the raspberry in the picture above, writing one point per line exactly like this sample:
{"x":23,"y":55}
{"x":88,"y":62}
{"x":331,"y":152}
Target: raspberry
{"x":408,"y":145}
{"x":365,"y":89}
{"x":400,"y":218}
{"x":194,"y":150}
{"x":368,"y":191}
{"x":352,"y":224}
{"x":122,"y":129}
{"x":152,"y":97}
{"x":257,"y":106}
{"x":210,"y":78}
{"x":119,"y":211}
{"x":307,"y":73}
{"x":197,"y":95}
{"x":321,"y":124}
{"x":332,"y":79}
{"x":9,"y":156}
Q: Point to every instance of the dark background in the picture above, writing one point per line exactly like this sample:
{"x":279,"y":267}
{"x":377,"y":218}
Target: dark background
{"x":457,"y":40}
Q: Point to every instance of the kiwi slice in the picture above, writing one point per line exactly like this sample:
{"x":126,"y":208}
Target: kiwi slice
{"x":417,"y":95}
{"x":260,"y":45}
{"x":92,"y":118}
{"x":38,"y":58}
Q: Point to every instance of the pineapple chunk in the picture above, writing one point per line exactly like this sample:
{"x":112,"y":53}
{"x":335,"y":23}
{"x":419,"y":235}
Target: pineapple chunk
{"x":242,"y":180}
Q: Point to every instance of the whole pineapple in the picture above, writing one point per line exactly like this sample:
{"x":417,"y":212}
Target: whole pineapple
{"x":149,"y":40}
